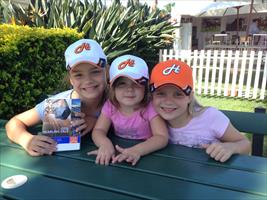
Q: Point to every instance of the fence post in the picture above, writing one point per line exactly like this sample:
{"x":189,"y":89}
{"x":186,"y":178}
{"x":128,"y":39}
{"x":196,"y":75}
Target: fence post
{"x":257,"y":139}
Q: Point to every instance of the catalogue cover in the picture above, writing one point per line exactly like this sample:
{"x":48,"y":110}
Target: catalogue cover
{"x":58,"y":114}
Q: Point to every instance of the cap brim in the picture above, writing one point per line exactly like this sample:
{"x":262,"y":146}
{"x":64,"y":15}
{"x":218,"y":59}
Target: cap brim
{"x":131,"y":76}
{"x":167,"y":82}
{"x":87,"y":62}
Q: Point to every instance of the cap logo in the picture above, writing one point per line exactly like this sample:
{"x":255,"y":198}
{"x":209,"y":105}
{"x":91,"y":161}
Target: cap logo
{"x":174,"y":68}
{"x":126,"y":63}
{"x":83,"y":46}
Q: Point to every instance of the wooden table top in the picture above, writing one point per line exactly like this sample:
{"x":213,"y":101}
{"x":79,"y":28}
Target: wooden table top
{"x":176,"y":172}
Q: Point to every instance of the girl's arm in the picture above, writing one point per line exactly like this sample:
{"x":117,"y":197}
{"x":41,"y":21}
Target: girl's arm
{"x":233,"y":142}
{"x":158,"y":140}
{"x":106,"y":150}
{"x":35,"y":145}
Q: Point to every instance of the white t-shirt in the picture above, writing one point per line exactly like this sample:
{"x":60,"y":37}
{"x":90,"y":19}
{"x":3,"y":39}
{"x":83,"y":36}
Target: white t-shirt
{"x":206,"y":128}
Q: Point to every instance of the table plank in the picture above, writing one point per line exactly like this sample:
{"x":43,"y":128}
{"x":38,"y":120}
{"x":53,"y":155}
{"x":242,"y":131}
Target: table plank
{"x":242,"y":162}
{"x":135,"y":183}
{"x":175,"y":171}
{"x":51,"y":188}
{"x":203,"y":173}
{"x":200,"y":172}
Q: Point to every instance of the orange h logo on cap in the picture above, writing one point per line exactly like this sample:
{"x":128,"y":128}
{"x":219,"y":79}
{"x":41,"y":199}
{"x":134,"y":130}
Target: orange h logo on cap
{"x":126,"y":63}
{"x":83,"y":46}
{"x":174,"y":68}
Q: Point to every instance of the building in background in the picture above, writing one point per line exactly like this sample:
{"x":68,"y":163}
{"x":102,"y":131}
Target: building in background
{"x":197,"y":30}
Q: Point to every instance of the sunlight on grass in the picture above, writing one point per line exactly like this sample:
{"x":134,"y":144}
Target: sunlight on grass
{"x":224,"y":103}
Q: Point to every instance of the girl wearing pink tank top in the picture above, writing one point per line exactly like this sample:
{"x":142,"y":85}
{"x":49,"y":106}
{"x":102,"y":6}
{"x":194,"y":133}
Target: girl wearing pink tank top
{"x":129,"y":111}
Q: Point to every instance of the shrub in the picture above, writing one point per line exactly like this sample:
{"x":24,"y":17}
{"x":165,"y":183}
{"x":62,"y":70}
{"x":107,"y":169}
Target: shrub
{"x":31,"y":65}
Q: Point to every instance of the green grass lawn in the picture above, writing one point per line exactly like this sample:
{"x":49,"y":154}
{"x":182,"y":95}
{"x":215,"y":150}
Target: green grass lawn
{"x":224,"y":103}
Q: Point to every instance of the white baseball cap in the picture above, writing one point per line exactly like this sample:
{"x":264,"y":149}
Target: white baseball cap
{"x":85,"y":51}
{"x":128,"y":66}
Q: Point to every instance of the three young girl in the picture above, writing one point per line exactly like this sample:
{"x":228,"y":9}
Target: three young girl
{"x":130,"y":111}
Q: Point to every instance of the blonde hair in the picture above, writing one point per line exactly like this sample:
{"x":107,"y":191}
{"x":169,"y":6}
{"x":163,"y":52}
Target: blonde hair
{"x":195,"y":108}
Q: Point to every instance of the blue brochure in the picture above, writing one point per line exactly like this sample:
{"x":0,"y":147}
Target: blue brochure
{"x":58,"y":114}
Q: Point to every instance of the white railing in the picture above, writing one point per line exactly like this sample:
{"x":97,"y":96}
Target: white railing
{"x":229,"y":73}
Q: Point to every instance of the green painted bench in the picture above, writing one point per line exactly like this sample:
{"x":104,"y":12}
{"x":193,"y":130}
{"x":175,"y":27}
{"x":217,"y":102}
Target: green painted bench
{"x":252,"y":123}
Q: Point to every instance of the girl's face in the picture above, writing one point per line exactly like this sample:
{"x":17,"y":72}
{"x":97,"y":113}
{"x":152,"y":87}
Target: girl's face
{"x":88,"y":81}
{"x":128,"y":93}
{"x":171,"y":103}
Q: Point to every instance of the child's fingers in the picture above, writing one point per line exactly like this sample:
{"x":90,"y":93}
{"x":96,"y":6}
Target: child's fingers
{"x":219,"y":155}
{"x":79,"y":114}
{"x":84,"y":132}
{"x":33,"y":153}
{"x":103,"y":160}
{"x":81,"y":127}
{"x":45,"y":139}
{"x":119,"y":158}
{"x":130,"y":159}
{"x":135,"y":161}
{"x":42,"y":145}
{"x":78,"y":123}
{"x":210,"y":148}
{"x":205,"y":146}
{"x":107,"y":159}
{"x":45,"y":147}
{"x":114,"y":159}
{"x":119,"y":149}
{"x":97,"y":159}
{"x":225,"y":157}
{"x":41,"y":151}
{"x":94,"y":152}
{"x":36,"y":151}
{"x":217,"y":149}
{"x":122,"y":158}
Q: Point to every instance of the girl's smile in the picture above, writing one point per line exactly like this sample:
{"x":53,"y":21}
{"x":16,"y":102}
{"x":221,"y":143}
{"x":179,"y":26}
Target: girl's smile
{"x":172,"y":104}
{"x":167,"y":109}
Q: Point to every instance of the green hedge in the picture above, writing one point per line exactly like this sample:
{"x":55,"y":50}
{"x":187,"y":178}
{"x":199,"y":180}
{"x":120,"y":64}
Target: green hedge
{"x":32,"y":65}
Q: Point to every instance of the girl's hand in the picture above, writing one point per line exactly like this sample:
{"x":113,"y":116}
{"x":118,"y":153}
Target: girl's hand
{"x":126,"y":154}
{"x":219,"y":151}
{"x":41,"y":145}
{"x":84,"y":124}
{"x":103,"y":154}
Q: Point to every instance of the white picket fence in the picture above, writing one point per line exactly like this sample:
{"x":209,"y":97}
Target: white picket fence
{"x":229,"y":73}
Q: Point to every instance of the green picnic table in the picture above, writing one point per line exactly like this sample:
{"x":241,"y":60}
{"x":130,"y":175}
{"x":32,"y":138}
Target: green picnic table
{"x":176,"y":172}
